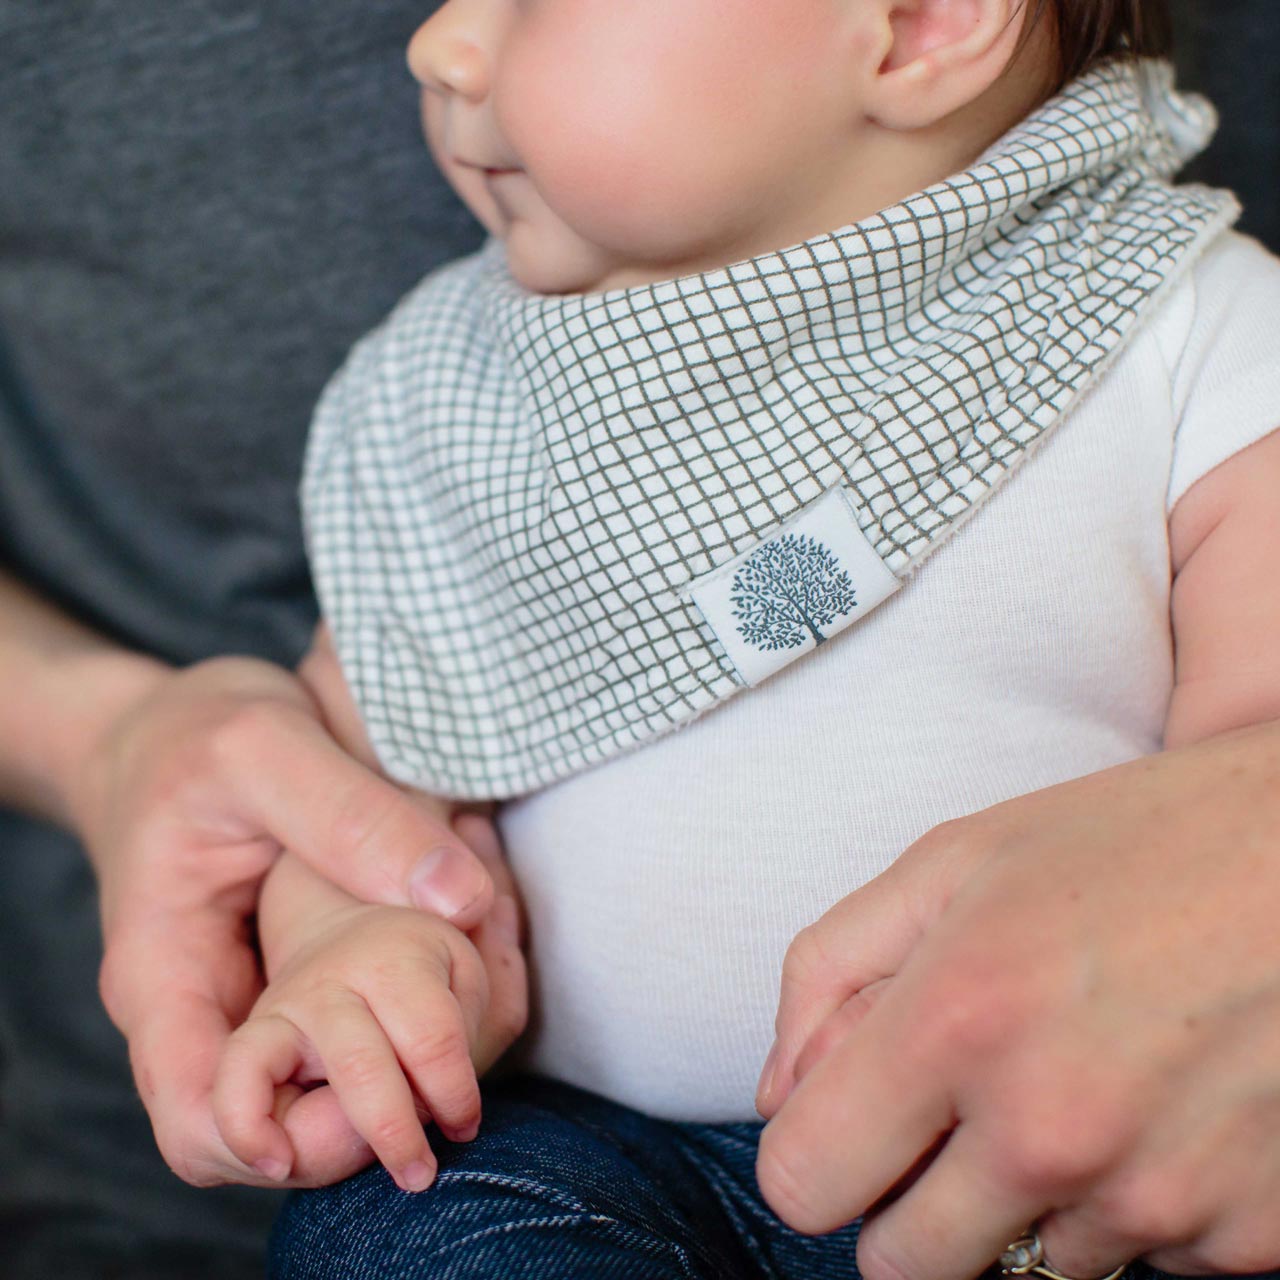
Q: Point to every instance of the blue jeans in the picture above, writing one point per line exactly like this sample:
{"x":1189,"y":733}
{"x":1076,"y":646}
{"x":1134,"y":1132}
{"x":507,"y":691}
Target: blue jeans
{"x":562,"y":1185}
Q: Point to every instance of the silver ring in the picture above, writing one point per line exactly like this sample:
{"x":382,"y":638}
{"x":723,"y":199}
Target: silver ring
{"x":1025,"y":1257}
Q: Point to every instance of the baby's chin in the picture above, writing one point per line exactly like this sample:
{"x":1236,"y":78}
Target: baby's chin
{"x":553,"y":264}
{"x":558,"y":262}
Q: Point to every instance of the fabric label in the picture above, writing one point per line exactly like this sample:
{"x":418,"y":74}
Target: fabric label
{"x":795,"y":590}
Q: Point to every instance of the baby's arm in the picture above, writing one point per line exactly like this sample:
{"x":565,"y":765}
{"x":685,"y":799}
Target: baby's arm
{"x":386,"y":1004}
{"x":1225,"y":543}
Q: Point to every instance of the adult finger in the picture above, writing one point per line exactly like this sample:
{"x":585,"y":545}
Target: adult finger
{"x":1100,"y":1232}
{"x":1197,"y":1198}
{"x":322,"y":675}
{"x":953,"y":1221}
{"x":354,"y":827}
{"x":1243,"y":1241}
{"x":178,"y":1028}
{"x":327,"y":1145}
{"x":499,"y":939}
{"x":1095,"y":1251}
{"x":507,"y":1014}
{"x":481,"y":837}
{"x":174,"y":1055}
{"x":865,"y":937}
{"x":857,"y":1123}
{"x":839,"y":1025}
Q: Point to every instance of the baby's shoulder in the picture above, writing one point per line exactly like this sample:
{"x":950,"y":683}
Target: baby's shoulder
{"x":1229,"y":297}
{"x":1235,"y":260}
{"x":1217,"y":336}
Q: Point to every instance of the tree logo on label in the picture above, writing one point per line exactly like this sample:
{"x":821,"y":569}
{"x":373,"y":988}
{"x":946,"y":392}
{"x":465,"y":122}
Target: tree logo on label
{"x":788,"y":591}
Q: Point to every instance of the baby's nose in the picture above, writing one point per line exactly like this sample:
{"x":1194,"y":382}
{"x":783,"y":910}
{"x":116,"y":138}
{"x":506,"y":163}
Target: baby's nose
{"x":446,"y":57}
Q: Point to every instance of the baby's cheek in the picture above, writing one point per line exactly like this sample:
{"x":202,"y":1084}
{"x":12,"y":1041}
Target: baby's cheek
{"x":636,"y":192}
{"x":617,"y":148}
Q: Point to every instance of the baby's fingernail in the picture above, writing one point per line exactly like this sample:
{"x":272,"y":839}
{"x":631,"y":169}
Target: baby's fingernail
{"x":445,"y":881}
{"x":416,"y":1176}
{"x":276,"y":1170}
{"x":765,"y":1087}
{"x":506,"y":919}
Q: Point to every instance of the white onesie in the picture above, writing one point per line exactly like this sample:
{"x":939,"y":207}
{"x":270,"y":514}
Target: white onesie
{"x":664,"y":886}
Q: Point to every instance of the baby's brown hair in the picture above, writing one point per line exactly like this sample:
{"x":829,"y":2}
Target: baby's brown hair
{"x":1087,"y":31}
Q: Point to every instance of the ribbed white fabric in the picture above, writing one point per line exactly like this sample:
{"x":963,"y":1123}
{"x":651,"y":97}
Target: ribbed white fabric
{"x":664,"y":886}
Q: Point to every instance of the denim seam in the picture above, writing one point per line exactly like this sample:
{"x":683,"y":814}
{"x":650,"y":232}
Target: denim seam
{"x":708,"y":1166}
{"x":649,"y":1242}
{"x":526,"y":1186}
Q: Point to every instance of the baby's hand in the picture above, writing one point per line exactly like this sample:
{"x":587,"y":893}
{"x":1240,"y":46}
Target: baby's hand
{"x":386,"y":1004}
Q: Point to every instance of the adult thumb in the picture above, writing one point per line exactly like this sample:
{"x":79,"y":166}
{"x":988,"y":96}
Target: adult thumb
{"x":351,"y":825}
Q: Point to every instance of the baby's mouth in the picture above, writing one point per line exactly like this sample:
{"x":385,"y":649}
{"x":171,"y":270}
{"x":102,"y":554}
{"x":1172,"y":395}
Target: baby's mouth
{"x":489,"y":170}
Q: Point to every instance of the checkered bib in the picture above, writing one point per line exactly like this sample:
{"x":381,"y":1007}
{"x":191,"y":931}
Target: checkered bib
{"x":547,"y":529}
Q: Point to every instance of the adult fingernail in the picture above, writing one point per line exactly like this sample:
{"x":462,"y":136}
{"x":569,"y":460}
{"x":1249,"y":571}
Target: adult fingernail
{"x":765,"y":1087}
{"x":506,"y":919}
{"x":276,"y":1170}
{"x":416,"y":1176}
{"x":447,"y":880}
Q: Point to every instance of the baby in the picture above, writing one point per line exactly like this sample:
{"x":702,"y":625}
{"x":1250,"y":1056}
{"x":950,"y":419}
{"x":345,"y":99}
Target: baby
{"x":969,"y":496}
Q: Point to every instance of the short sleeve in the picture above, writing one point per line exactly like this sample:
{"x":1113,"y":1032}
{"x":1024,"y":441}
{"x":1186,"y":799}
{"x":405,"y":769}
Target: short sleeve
{"x":1225,"y":380}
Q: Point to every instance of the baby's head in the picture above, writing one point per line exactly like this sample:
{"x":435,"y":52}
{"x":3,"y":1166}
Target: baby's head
{"x":614,"y":142}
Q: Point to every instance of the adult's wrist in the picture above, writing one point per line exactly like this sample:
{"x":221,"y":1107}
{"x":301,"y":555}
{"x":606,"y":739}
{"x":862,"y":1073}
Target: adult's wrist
{"x":63,"y":684}
{"x":89,"y":694}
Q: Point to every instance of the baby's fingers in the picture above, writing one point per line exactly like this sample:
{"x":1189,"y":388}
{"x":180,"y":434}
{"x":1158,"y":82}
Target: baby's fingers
{"x":261,"y":1055}
{"x":367,"y":1077}
{"x":431,"y":1038}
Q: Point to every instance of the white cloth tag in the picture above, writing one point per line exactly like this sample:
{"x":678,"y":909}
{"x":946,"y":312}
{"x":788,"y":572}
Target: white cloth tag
{"x":816,"y":576}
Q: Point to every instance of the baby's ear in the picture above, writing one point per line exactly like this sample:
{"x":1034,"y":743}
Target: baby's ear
{"x":941,"y":55}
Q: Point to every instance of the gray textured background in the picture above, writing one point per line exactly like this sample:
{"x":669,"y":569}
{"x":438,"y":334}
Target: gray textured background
{"x":1231,"y":50}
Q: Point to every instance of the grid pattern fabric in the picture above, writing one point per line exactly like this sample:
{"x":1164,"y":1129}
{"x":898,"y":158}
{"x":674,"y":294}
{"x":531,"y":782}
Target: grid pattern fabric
{"x":509,"y":495}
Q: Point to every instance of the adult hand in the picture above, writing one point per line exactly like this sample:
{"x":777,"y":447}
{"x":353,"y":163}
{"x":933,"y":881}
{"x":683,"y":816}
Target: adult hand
{"x":183,"y":803}
{"x":1064,"y":1010}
